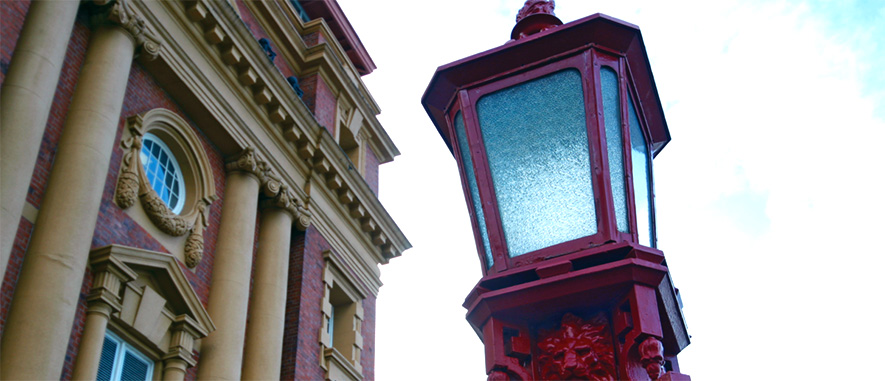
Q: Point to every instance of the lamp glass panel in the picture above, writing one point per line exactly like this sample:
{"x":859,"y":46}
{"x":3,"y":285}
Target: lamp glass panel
{"x":535,"y":136}
{"x":614,"y":142}
{"x":641,"y":179}
{"x":466,"y":158}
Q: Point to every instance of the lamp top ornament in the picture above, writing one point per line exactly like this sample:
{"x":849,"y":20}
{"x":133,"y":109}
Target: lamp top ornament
{"x":535,"y":16}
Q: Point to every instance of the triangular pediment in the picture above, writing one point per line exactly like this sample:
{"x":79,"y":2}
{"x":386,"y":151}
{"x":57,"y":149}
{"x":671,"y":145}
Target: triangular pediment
{"x":161,"y":273}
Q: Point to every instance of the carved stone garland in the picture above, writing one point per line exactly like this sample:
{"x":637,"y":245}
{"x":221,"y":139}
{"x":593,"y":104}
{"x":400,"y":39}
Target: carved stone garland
{"x":133,"y":181}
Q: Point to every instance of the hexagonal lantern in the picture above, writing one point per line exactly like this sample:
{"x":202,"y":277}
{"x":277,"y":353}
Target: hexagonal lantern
{"x":554,"y":134}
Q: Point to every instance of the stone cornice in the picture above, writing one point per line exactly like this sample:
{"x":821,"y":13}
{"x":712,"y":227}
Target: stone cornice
{"x":330,"y":61}
{"x":241,"y":79}
{"x":334,"y":169}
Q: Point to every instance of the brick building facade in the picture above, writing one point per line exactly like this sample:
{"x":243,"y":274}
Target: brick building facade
{"x":189,"y":191}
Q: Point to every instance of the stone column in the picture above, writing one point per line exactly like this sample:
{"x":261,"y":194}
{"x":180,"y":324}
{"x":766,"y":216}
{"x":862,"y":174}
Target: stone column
{"x":45,"y":300}
{"x":180,"y":355}
{"x":267,"y":311}
{"x":104,"y":299}
{"x":174,"y":370}
{"x":25,"y":101}
{"x":221,"y":353}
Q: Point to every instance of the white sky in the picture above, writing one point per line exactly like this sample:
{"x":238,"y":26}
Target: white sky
{"x":769,"y":197}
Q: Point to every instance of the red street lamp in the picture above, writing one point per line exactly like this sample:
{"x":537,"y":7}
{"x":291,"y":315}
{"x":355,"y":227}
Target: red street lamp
{"x":554,"y":134}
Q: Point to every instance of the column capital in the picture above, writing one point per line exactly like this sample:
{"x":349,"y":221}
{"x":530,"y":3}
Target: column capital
{"x":288,"y":202}
{"x":245,"y":161}
{"x":120,"y":13}
{"x":184,"y":331}
{"x":270,"y":182}
{"x":110,"y":274}
{"x":363,"y":136}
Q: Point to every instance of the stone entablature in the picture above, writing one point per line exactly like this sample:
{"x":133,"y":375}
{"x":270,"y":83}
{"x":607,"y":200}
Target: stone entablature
{"x":303,"y":152}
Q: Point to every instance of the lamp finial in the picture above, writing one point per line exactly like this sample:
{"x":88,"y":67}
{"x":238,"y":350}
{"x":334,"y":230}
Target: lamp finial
{"x":535,"y":16}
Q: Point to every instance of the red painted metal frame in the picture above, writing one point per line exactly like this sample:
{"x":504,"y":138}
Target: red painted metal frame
{"x":608,"y":272}
{"x":465,"y":188}
{"x":588,"y":64}
{"x":630,"y":89}
{"x":471,"y":82}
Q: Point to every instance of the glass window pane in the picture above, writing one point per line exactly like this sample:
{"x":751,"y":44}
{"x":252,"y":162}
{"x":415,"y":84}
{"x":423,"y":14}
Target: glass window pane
{"x":614,"y":142}
{"x":641,"y":181}
{"x":162,"y":171}
{"x":536,"y":141}
{"x":471,"y":183}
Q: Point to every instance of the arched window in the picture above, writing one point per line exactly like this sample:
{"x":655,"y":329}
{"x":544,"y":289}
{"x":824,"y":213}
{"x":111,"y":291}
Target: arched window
{"x":163,"y":172}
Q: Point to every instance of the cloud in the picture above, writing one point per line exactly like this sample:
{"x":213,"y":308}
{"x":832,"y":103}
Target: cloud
{"x":768,"y":198}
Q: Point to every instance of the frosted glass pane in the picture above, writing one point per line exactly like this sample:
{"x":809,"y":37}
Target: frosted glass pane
{"x":614,"y":141}
{"x":536,"y":141}
{"x":641,"y":181}
{"x":471,"y":183}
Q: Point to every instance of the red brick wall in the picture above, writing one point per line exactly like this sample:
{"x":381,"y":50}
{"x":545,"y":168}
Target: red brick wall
{"x":113,"y":224}
{"x":303,"y":318}
{"x":12,"y":18}
{"x":367,"y":358}
{"x":313,"y":39}
{"x":318,"y":97}
{"x":301,"y":355}
{"x":260,"y":33}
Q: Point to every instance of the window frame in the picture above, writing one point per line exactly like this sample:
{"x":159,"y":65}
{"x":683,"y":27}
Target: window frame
{"x":467,"y":100}
{"x":588,"y":63}
{"x":173,"y":160}
{"x":123,"y":348}
{"x":342,"y":300}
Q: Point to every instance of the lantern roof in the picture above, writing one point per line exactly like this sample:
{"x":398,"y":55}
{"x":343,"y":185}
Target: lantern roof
{"x":549,"y":46}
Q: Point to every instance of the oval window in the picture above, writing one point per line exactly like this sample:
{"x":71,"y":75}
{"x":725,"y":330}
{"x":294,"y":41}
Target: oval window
{"x":163,"y":172}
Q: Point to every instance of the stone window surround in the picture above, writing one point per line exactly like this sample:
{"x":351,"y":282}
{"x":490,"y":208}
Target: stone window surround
{"x":180,"y":233}
{"x":341,"y":360}
{"x":150,"y":306}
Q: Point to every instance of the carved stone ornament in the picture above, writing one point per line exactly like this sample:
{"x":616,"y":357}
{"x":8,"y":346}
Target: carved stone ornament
{"x":578,"y":350}
{"x":651,"y":354}
{"x":160,"y":214}
{"x":284,"y":199}
{"x":193,"y":247}
{"x":120,"y":13}
{"x":133,"y":181}
{"x":270,"y":182}
{"x":245,"y":162}
{"x":128,"y":183}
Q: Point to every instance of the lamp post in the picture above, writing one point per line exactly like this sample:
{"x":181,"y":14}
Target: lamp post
{"x":554,"y":134}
